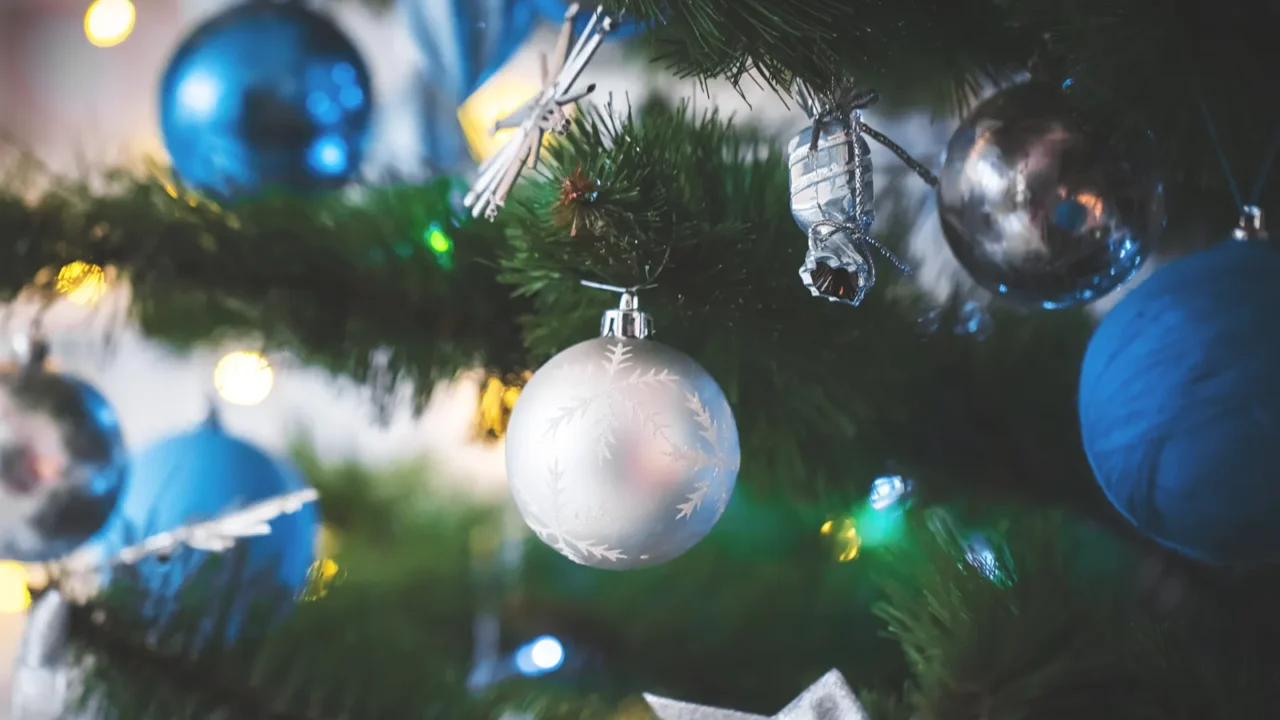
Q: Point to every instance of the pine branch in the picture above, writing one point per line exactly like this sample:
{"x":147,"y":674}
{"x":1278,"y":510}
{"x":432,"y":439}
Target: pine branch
{"x":1047,"y":637}
{"x":917,"y":52}
{"x":332,"y":278}
{"x":392,"y":640}
{"x":117,"y":651}
{"x":700,"y":207}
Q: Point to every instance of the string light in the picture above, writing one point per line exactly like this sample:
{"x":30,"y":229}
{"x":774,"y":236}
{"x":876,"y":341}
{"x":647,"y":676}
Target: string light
{"x":108,"y":23}
{"x":82,"y":283}
{"x":15,"y":595}
{"x":497,"y":400}
{"x":888,"y":490}
{"x":321,"y":576}
{"x":243,"y":378}
{"x":845,"y":536}
{"x":323,"y":573}
{"x":440,"y":244}
{"x":542,"y":656}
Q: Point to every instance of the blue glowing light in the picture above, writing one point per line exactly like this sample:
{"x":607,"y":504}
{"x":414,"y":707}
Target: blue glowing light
{"x":887,"y":490}
{"x":328,"y":155}
{"x":544,"y":655}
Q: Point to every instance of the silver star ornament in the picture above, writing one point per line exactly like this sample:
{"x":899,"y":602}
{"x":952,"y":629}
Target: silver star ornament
{"x":827,"y":699}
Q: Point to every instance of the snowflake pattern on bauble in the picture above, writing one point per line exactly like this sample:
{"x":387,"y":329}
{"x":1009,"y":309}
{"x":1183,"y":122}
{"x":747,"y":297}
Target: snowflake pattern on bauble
{"x":632,"y":456}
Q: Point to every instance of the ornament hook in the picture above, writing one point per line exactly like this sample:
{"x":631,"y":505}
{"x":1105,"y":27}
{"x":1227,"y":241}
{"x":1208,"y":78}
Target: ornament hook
{"x":627,"y":321}
{"x":1252,"y":225}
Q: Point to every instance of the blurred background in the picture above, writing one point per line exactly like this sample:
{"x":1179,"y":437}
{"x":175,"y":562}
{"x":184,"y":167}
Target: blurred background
{"x":79,"y":91}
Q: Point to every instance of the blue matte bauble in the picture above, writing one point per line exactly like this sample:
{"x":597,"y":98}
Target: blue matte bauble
{"x":198,"y":476}
{"x":1180,"y":405}
{"x":266,"y":95}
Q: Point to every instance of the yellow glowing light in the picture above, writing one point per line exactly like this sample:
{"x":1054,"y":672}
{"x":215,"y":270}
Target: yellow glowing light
{"x":15,"y":597}
{"x":243,"y":378}
{"x":321,"y":576}
{"x":845,"y":535}
{"x":82,"y":283}
{"x":495,"y":100}
{"x":497,"y":400}
{"x":108,"y":23}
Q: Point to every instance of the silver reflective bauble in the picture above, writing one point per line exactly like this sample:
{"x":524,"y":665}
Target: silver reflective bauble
{"x":1040,"y":209}
{"x":47,"y":684}
{"x":622,"y":453}
{"x":62,"y":463}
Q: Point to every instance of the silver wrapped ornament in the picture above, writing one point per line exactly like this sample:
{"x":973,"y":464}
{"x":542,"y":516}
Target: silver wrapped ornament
{"x":1039,"y":208}
{"x":62,"y":461}
{"x":832,"y":193}
{"x":622,"y":452}
{"x":47,"y":684}
{"x":828,"y":699}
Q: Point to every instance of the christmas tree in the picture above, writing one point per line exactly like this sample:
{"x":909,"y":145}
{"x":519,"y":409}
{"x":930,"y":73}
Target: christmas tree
{"x":1000,"y":585}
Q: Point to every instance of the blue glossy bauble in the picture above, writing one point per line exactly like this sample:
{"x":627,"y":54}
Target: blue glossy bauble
{"x":63,"y":463}
{"x":198,"y":476}
{"x":266,"y":95}
{"x":1180,"y":405}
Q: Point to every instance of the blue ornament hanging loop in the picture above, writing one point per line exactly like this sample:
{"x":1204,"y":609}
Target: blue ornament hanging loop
{"x":1252,"y":225}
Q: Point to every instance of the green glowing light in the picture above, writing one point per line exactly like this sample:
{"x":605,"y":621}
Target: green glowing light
{"x":440,"y":244}
{"x":437,"y":240}
{"x":879,"y":528}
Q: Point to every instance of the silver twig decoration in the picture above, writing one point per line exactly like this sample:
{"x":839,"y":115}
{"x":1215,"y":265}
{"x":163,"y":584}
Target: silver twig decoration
{"x":544,"y":113}
{"x":221,"y":534}
{"x":828,"y":699}
{"x":80,"y":572}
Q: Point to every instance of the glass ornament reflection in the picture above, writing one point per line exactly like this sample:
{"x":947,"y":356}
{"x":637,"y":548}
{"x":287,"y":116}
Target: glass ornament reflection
{"x":264,"y":96}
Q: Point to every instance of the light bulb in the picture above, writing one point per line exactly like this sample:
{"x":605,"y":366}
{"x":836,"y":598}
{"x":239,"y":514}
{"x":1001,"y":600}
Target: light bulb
{"x":108,"y":23}
{"x":545,"y":654}
{"x":243,"y":378}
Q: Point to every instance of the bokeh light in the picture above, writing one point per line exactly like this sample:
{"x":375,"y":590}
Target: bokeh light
{"x":108,"y":23}
{"x":844,"y":534}
{"x":497,"y":399}
{"x":15,"y":595}
{"x":243,"y":378}
{"x":82,"y":283}
{"x":545,"y":654}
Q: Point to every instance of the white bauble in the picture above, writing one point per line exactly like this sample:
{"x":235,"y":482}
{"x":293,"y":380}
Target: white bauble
{"x":622,"y":453}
